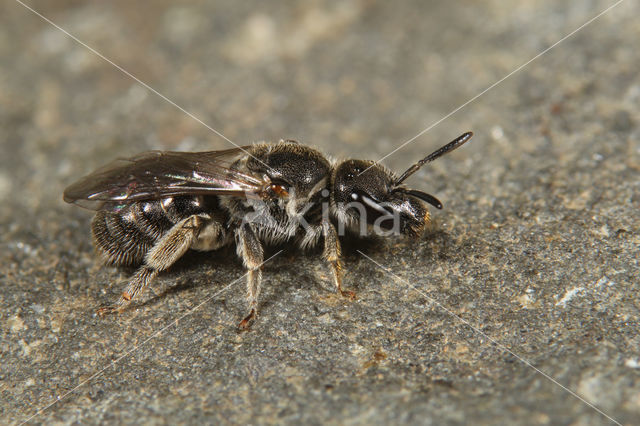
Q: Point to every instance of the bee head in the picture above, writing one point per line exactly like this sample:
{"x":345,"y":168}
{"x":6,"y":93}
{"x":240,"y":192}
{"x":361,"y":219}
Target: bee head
{"x":366,"y":193}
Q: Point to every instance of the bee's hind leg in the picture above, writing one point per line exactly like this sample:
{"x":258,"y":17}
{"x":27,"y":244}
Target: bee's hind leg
{"x":331,"y":254}
{"x":161,"y":256}
{"x":250,"y":250}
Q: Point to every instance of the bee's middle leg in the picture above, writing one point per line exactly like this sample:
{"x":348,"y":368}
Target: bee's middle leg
{"x":250,"y":250}
{"x":162,"y":255}
{"x":331,"y":254}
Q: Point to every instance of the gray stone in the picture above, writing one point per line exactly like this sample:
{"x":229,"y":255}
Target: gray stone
{"x":519,"y":305}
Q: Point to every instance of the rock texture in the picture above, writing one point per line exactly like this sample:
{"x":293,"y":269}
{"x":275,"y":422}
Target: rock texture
{"x":520,"y":305}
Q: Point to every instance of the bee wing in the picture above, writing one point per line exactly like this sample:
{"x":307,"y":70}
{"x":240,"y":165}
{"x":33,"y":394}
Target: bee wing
{"x":157,"y":174}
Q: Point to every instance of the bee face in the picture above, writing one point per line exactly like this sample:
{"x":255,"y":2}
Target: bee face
{"x":354,"y":179}
{"x":364,"y":191}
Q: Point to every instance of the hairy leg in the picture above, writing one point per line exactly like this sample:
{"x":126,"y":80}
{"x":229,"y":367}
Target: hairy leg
{"x":162,"y":255}
{"x":331,"y":255}
{"x":250,"y":250}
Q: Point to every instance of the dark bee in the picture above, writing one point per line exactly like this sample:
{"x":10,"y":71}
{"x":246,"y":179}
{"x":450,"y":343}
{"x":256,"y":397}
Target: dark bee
{"x":155,"y":206}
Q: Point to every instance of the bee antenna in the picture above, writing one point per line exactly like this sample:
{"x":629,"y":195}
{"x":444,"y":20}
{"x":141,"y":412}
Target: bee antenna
{"x":421,"y":195}
{"x":438,"y":153}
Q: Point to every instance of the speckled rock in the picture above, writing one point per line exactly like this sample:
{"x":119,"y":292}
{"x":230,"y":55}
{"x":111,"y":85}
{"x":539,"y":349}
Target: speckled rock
{"x":520,"y":304}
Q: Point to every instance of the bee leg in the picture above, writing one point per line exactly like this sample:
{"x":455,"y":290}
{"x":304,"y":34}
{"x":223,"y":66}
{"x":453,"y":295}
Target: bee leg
{"x":250,"y":251}
{"x":161,"y":256}
{"x":331,"y":254}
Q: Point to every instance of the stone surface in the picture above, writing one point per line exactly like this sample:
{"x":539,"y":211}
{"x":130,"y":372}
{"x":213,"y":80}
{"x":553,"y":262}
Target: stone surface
{"x":536,"y":250}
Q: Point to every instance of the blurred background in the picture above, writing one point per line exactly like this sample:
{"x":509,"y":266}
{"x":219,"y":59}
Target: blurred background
{"x":537,"y":245}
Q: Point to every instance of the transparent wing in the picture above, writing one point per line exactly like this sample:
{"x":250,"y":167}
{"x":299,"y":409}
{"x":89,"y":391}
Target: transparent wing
{"x":157,"y":174}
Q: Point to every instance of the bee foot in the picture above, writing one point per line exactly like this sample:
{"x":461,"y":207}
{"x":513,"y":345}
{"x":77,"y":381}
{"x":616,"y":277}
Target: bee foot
{"x":111,"y":309}
{"x":248,"y":320}
{"x":351,"y":295}
{"x":116,"y":308}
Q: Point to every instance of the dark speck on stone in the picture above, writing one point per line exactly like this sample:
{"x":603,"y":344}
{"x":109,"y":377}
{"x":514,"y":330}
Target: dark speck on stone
{"x":537,"y":245}
{"x":622,"y":122}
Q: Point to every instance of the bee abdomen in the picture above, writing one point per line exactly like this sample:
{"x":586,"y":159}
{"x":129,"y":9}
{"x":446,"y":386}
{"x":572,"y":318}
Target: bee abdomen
{"x":125,"y":237}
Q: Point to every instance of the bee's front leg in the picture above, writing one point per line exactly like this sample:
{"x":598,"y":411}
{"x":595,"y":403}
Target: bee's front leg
{"x":250,"y":250}
{"x":331,"y":254}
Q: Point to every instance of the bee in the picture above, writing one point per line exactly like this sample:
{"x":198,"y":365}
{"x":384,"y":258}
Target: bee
{"x":153,"y":207}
